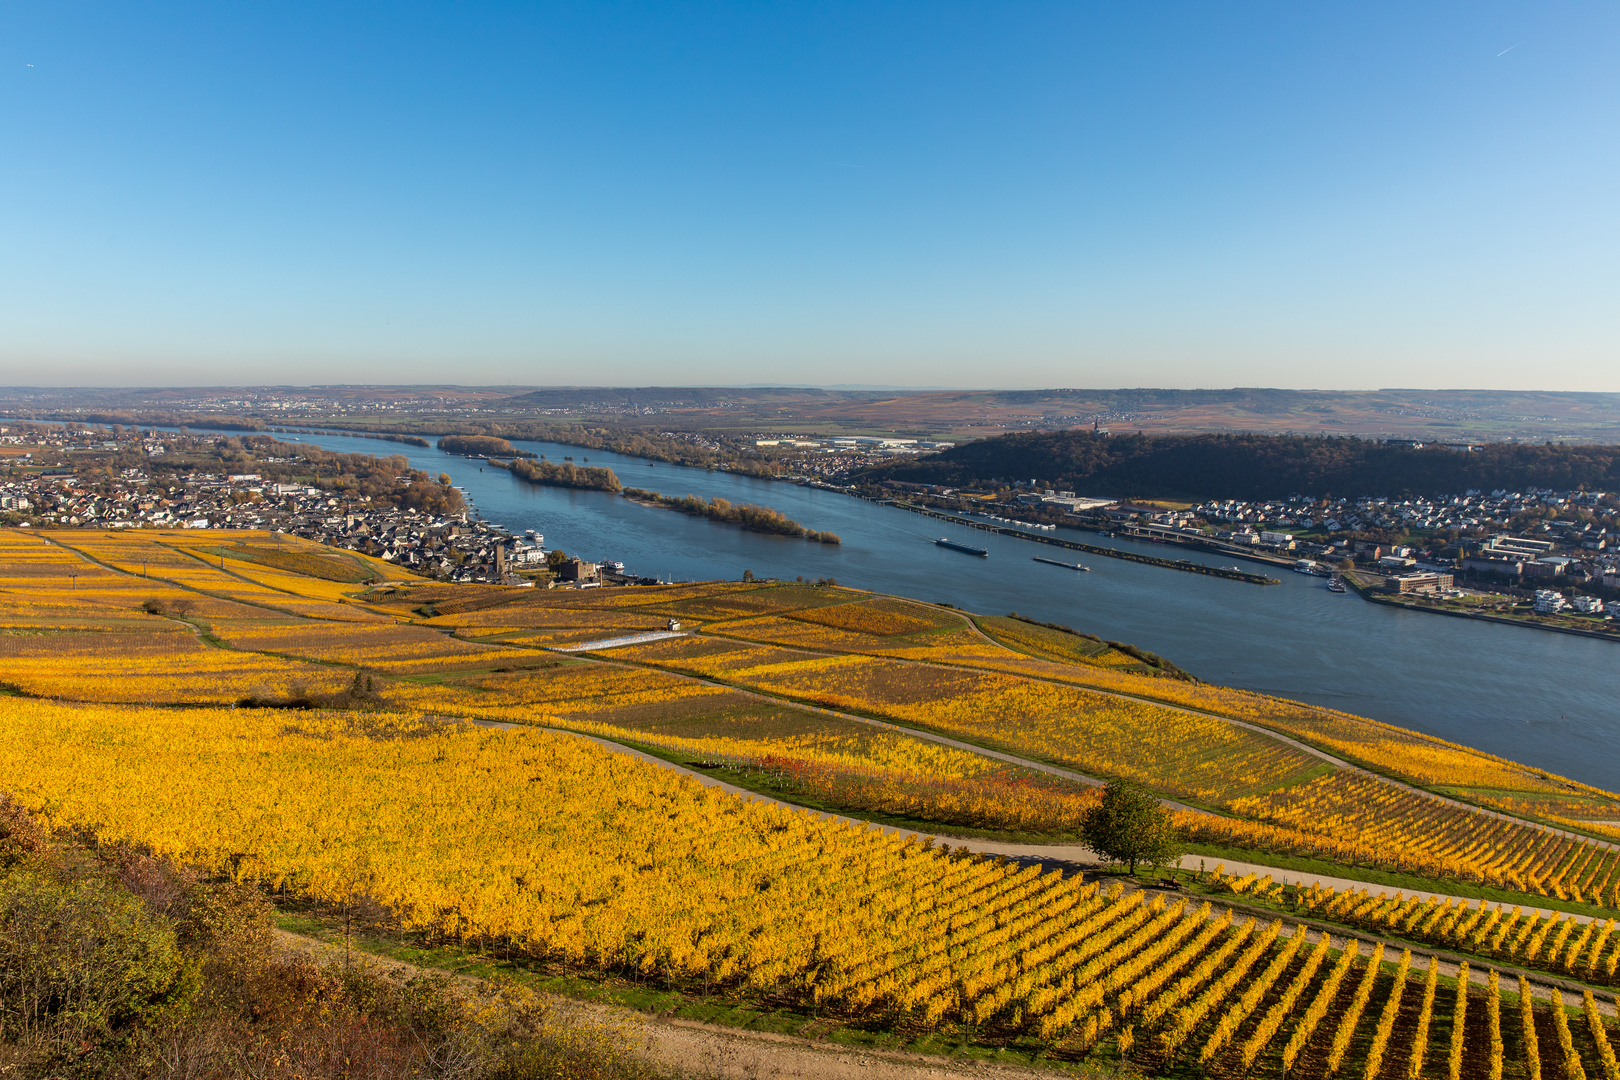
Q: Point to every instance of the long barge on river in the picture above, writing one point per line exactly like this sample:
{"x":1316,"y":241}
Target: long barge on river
{"x":954,"y":546}
{"x":1065,"y":565}
{"x":1184,"y":565}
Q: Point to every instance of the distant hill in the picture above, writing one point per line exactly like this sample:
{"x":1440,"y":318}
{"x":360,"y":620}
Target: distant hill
{"x":1481,"y":415}
{"x":1253,"y":466}
{"x":1577,"y":417}
{"x":663,"y":397}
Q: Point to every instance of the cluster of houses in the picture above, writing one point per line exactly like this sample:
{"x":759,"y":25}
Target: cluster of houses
{"x":1466,"y":513}
{"x":1569,"y":538}
{"x":1562,"y":542}
{"x":92,"y":488}
{"x":454,"y":547}
{"x":823,"y":459}
{"x":450,"y":547}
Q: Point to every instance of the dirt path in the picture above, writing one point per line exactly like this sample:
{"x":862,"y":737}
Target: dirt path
{"x":692,"y":1048}
{"x":901,"y":729}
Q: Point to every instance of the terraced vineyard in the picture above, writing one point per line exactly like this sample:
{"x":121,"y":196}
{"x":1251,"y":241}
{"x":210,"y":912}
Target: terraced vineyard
{"x":504,"y":836}
{"x":357,"y":776}
{"x":1588,"y":950}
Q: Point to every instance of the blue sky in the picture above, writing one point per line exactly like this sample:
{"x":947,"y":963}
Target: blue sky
{"x":932,"y":193}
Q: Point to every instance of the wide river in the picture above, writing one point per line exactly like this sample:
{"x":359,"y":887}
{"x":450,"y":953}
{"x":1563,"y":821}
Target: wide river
{"x":1550,"y":700}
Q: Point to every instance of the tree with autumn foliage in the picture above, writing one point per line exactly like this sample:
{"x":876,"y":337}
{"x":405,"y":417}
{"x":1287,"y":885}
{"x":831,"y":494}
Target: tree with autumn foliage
{"x":1130,"y":826}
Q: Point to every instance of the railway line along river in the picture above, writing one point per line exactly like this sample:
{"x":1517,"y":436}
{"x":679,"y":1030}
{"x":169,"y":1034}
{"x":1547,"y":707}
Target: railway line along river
{"x":1549,"y":700}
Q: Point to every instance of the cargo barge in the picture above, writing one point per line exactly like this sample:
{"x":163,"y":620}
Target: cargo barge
{"x":1232,"y":573}
{"x":1065,"y":565}
{"x":954,"y":546}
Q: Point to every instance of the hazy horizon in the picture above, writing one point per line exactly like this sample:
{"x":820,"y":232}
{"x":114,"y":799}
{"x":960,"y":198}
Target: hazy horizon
{"x":517,"y":387}
{"x":896,"y":195}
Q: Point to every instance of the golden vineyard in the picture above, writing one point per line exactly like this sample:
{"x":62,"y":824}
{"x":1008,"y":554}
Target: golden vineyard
{"x":316,"y":723}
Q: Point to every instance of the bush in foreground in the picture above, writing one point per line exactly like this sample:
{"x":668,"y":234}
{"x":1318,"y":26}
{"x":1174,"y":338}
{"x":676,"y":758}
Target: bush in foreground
{"x":117,"y":964}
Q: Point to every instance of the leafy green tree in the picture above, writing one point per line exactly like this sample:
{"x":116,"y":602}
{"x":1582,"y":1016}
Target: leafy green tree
{"x":1130,"y":826}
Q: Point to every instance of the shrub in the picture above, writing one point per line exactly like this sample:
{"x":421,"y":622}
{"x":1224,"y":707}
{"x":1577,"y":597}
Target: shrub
{"x":80,"y":960}
{"x":21,"y":837}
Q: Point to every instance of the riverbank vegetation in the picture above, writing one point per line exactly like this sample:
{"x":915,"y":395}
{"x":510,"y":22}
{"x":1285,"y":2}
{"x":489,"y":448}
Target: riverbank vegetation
{"x":698,"y":450}
{"x":478,"y":446}
{"x":692,"y":449}
{"x":753,"y":518}
{"x":562,"y":474}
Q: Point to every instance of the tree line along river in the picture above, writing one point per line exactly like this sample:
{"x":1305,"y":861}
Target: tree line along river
{"x":1548,"y":700}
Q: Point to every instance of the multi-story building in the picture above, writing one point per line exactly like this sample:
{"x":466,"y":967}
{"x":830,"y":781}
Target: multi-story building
{"x":1549,"y":602}
{"x":1423,"y":581}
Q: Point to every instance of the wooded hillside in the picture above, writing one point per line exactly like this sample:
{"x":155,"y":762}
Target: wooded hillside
{"x":1254,"y":466}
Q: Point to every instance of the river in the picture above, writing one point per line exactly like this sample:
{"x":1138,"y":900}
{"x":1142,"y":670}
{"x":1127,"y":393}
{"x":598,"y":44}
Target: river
{"x":1546,"y":699}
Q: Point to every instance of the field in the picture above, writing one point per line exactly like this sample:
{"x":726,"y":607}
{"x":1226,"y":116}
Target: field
{"x":253,"y":631}
{"x":807,"y":756}
{"x":321,"y":565}
{"x":932,"y":643}
{"x":250,"y":630}
{"x":1049,"y":644}
{"x":514,"y":838}
{"x":1183,"y":754}
{"x":170,"y":560}
{"x":1499,"y":852}
{"x":355,"y":770}
{"x":1588,"y":951}
{"x":385,"y":648}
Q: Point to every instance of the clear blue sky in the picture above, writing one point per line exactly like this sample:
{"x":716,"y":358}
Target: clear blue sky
{"x":930,"y":193}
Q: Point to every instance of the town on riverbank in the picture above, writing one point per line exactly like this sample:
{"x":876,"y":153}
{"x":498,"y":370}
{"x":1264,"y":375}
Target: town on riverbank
{"x":1559,"y":567}
{"x":53,"y":476}
{"x":1537,"y":557}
